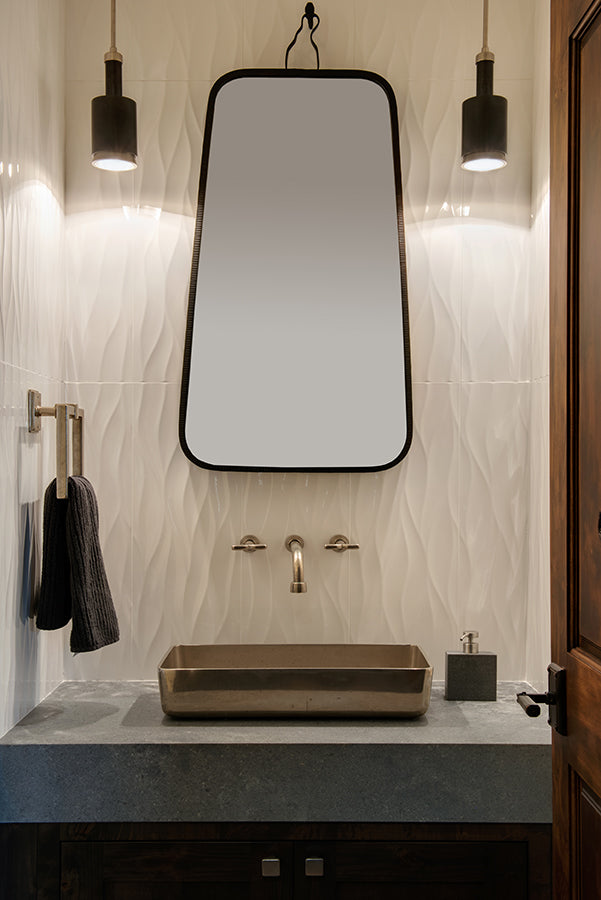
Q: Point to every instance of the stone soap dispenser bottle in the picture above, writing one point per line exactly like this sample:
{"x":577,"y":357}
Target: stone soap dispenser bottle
{"x":470,"y":675}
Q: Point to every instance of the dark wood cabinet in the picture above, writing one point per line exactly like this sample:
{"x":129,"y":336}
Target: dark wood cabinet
{"x":280,"y":861}
{"x":422,"y":870}
{"x":178,"y":870}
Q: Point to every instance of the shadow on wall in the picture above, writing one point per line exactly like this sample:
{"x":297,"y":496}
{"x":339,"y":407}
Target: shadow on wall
{"x":30,"y":562}
{"x":25,"y":669}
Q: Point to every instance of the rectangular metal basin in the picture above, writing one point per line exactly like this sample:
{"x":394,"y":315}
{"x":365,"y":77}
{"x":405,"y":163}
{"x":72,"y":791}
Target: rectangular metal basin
{"x":221,"y":680}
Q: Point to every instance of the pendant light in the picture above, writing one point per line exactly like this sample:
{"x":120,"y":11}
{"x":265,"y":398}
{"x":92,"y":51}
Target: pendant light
{"x":114,"y":132}
{"x":484,"y":117}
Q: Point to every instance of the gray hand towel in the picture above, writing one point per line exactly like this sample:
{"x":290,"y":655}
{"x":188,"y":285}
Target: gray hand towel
{"x":90,"y":603}
{"x":54,"y":604}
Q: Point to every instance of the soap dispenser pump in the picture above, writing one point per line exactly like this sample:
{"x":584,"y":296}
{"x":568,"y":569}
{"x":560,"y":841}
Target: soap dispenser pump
{"x":470,"y":674}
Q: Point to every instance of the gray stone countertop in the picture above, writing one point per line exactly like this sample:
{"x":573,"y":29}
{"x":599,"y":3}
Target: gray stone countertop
{"x":104,"y":751}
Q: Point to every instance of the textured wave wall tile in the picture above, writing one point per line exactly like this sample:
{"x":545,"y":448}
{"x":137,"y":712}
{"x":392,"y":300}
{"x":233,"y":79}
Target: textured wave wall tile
{"x":315,"y":506}
{"x":424,"y":40}
{"x":186,"y":584}
{"x":32,"y":309}
{"x":270,"y":26}
{"x":13,"y":618}
{"x":495,"y":308}
{"x":109,"y":465}
{"x":170,"y":119}
{"x":39,"y":655}
{"x":434,"y":273}
{"x":436,"y":532}
{"x":541,"y":108}
{"x":494,"y":494}
{"x":31,"y":330}
{"x":404,"y":577}
{"x":31,"y":662}
{"x":539,"y":281}
{"x":163,"y":259}
{"x":32,"y":73}
{"x":429,"y":114}
{"x":128,"y":292}
{"x":101,"y":273}
{"x":171,"y":123}
{"x":539,"y":291}
{"x":538,"y":626}
{"x":31,"y":186}
{"x":177,"y":41}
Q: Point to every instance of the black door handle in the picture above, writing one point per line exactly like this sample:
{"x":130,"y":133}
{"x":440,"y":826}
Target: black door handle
{"x":555,"y":698}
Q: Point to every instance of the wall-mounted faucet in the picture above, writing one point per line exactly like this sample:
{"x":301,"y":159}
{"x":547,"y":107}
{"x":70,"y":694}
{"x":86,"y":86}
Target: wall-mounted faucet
{"x":339,"y":543}
{"x":295,"y":544}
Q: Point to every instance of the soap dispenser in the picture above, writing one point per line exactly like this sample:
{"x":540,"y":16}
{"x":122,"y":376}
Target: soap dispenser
{"x":469,"y":674}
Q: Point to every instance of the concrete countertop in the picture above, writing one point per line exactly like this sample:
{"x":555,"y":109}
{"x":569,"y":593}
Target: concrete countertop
{"x":104,"y":751}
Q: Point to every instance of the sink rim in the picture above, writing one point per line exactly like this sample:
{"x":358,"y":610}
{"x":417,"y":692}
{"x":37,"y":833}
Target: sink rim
{"x":247,"y":687}
{"x":235,"y":657}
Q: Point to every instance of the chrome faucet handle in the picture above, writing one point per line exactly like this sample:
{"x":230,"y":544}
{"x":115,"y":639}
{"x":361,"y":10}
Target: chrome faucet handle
{"x":249,"y":543}
{"x":339,"y":543}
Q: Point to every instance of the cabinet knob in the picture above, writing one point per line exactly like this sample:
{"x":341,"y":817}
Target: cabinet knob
{"x":314,"y":867}
{"x":270,"y":868}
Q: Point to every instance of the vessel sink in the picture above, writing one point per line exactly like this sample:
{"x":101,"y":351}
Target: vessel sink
{"x":221,"y":680}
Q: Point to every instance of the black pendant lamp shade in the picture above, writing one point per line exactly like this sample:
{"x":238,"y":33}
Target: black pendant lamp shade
{"x":484,"y":117}
{"x":114,"y":130}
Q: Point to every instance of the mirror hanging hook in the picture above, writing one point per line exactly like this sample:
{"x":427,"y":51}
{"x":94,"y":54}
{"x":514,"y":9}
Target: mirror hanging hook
{"x":311,"y":16}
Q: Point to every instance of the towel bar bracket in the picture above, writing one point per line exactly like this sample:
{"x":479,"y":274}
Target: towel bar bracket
{"x":62,"y":412}
{"x":34,"y":399}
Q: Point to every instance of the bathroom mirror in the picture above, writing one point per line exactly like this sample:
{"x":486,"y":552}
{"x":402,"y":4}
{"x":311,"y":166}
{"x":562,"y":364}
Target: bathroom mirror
{"x":297,"y":343}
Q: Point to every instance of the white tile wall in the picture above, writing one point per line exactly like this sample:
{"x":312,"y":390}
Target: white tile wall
{"x":454,"y":536}
{"x":32,"y":306}
{"x":538,"y":622}
{"x":445,"y":539}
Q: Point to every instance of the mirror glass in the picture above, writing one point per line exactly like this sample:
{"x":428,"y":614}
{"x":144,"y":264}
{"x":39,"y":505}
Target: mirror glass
{"x":297,"y":344}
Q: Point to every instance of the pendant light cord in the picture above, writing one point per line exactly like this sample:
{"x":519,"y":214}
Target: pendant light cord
{"x":484,"y":25}
{"x":113,"y":53}
{"x":486,"y":52}
{"x":114,"y":24}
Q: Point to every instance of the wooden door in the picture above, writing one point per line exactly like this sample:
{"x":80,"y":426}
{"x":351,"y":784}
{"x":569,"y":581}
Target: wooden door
{"x":576,"y":439}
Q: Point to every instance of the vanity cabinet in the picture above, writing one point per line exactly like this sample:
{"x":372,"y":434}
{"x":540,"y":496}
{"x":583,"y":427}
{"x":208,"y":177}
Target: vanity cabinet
{"x":149,"y":870}
{"x":316,"y":861}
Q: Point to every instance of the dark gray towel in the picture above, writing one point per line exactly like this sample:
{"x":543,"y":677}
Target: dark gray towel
{"x":75,"y":527}
{"x":54,"y":604}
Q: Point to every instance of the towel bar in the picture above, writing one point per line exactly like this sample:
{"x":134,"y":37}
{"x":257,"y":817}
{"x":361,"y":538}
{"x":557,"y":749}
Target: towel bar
{"x":62,"y":412}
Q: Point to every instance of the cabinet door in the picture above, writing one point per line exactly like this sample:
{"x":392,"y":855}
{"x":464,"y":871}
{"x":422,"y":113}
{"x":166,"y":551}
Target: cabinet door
{"x":422,"y":870}
{"x":178,"y":870}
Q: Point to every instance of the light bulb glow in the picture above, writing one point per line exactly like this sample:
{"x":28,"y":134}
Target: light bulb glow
{"x":484,"y":164}
{"x":111,"y":164}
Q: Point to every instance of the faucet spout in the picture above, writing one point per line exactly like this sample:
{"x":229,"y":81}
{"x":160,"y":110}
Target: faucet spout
{"x":295,"y":544}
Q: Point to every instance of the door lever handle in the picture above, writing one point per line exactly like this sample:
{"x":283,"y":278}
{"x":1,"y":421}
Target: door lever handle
{"x":555,"y":698}
{"x":529,"y":702}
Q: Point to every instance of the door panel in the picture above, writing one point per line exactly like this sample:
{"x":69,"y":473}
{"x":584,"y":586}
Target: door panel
{"x":589,"y":826}
{"x":586,"y":77}
{"x":575,"y":349}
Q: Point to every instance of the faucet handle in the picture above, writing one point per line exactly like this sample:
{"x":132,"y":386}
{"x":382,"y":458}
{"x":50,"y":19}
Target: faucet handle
{"x":249,"y":543}
{"x":339,"y":543}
